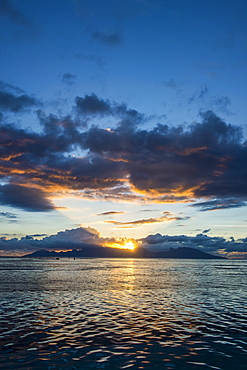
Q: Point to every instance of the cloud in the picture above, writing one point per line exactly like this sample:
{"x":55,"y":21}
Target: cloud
{"x":218,"y":204}
{"x":167,"y":217}
{"x":29,"y":199}
{"x":79,"y":237}
{"x":11,"y":88}
{"x":63,"y":240}
{"x":38,"y":235}
{"x":149,"y":210}
{"x":9,"y":215}
{"x":15,"y":101}
{"x":91,"y":104}
{"x":69,"y":78}
{"x":107,"y":38}
{"x":221,"y":103}
{"x":205,"y":162}
{"x":109,"y":213}
{"x":214,"y":245}
{"x":89,"y":237}
{"x":205,"y":99}
{"x":7,"y":9}
{"x":199,"y":95}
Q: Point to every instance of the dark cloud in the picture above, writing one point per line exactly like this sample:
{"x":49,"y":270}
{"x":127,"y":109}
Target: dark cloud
{"x":91,"y":104}
{"x":29,"y":199}
{"x":107,"y":38}
{"x":214,"y":245}
{"x":206,"y":231}
{"x":27,"y":237}
{"x":204,"y":98}
{"x":11,"y":88}
{"x":218,"y":204}
{"x":63,"y":240}
{"x":16,"y":103}
{"x":222,"y":103}
{"x":14,"y":100}
{"x":199,"y":95}
{"x":38,"y":235}
{"x":7,"y":9}
{"x":205,"y":161}
{"x":76,"y":237}
{"x":109,"y":213}
{"x":69,"y":78}
{"x":167,"y":217}
{"x":89,"y":237}
{"x":8,"y":215}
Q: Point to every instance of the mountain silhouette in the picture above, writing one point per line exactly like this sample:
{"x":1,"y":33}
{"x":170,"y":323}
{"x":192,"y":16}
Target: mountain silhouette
{"x":107,"y":252}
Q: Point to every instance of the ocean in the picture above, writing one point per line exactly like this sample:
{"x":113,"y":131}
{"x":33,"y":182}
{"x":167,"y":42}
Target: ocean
{"x":123,"y":314}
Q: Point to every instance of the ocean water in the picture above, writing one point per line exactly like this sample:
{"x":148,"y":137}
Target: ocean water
{"x":123,"y":314}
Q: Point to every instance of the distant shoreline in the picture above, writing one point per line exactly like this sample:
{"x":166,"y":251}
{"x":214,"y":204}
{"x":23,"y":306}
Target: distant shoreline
{"x":107,"y":252}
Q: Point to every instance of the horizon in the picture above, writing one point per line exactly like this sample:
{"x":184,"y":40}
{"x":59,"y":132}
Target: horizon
{"x":123,"y":122}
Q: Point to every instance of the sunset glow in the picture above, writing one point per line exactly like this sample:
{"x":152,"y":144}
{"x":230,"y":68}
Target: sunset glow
{"x":123,"y":184}
{"x":91,"y":156}
{"x":129,"y":244}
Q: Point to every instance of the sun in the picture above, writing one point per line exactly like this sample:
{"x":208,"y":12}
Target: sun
{"x":123,"y":244}
{"x":129,"y":245}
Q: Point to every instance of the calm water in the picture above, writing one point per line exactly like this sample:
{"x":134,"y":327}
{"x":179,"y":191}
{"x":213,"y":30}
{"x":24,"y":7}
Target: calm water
{"x":123,"y":314}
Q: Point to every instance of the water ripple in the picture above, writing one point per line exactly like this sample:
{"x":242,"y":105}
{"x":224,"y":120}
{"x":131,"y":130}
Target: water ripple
{"x":123,"y":314}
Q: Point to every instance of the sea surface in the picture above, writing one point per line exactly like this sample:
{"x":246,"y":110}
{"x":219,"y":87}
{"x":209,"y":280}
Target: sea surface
{"x":123,"y":314}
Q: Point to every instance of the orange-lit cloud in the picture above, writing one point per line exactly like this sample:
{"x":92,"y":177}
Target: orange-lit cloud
{"x":121,"y":163}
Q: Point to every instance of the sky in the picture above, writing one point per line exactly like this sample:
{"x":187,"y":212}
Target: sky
{"x":123,"y":120}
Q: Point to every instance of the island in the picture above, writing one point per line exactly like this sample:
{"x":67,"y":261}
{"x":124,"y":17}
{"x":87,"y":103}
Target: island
{"x":139,"y":252}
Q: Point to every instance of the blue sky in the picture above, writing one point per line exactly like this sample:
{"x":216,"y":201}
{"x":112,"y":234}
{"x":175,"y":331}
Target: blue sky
{"x":126,"y":117}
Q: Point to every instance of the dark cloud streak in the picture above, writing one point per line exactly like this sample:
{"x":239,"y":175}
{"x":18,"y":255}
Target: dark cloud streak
{"x":109,"y":213}
{"x":29,"y":199}
{"x":15,"y":100}
{"x":167,"y":217}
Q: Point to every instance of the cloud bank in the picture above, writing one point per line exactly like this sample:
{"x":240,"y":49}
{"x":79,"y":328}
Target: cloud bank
{"x":213,"y":245}
{"x":89,"y":237}
{"x":204,"y":163}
